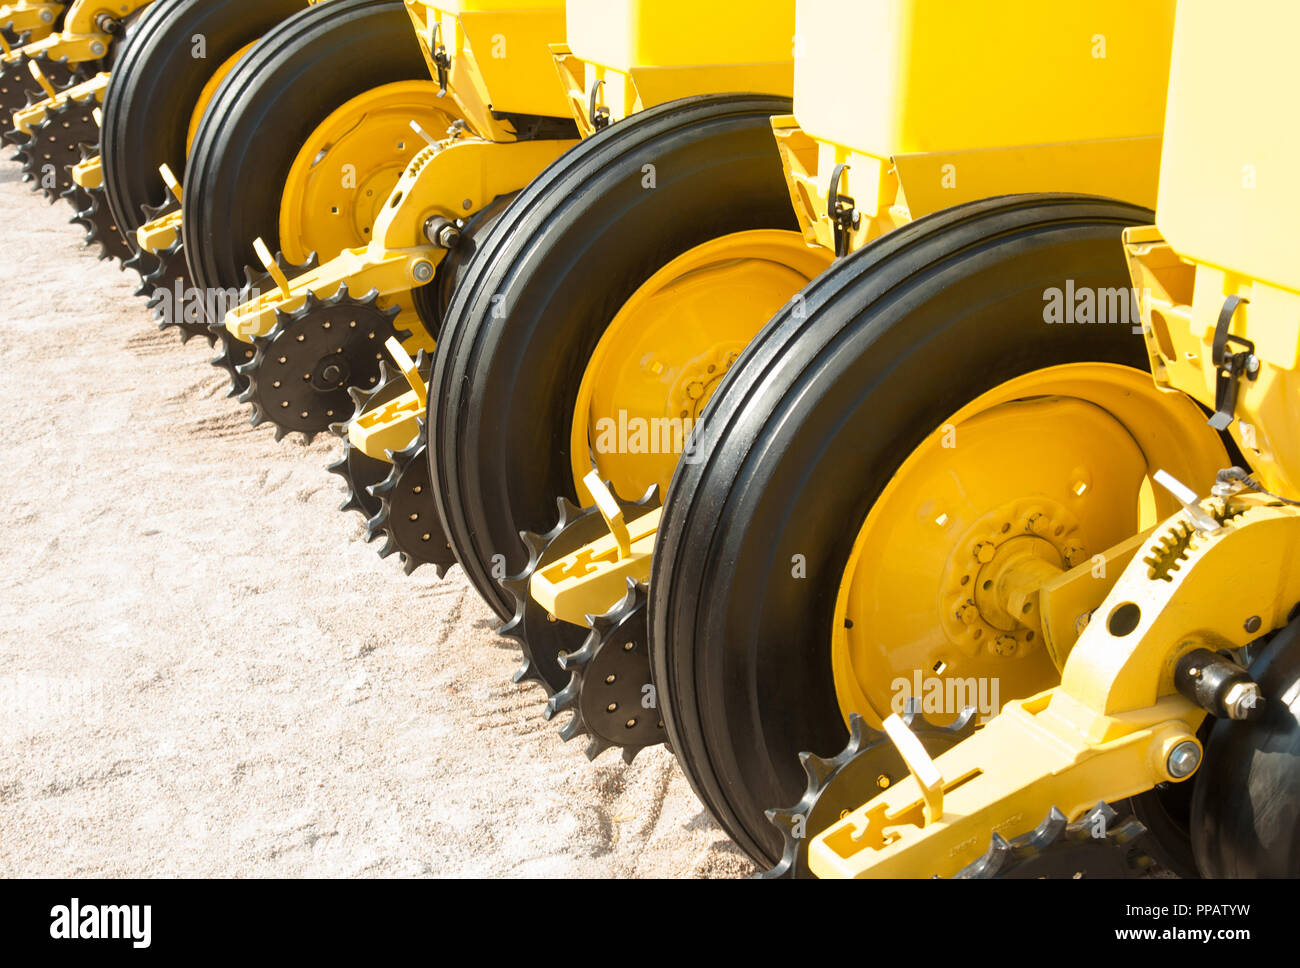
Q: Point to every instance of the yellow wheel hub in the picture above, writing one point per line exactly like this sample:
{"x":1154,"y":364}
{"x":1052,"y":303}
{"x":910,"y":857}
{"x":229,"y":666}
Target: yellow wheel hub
{"x":1032,"y":479}
{"x":345,"y":172}
{"x":664,"y":354}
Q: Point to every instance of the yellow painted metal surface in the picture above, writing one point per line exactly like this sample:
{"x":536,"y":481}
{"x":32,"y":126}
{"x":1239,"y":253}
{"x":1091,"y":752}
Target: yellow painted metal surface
{"x":1228,"y":202}
{"x":634,"y":54}
{"x":619,"y":94}
{"x":35,"y":20}
{"x":592,"y":579}
{"x":625,"y":34}
{"x":668,"y":348}
{"x":1106,"y":732}
{"x":498,"y":57}
{"x":160,"y":234}
{"x":1003,"y":780}
{"x":385,"y":430}
{"x":1066,"y":603}
{"x":938,"y":105}
{"x":890,"y":77}
{"x":89,"y":174}
{"x":454,"y":179}
{"x":80,"y":40}
{"x":1228,"y":196}
{"x":92,"y":89}
{"x":342,"y":176}
{"x":1055,"y":461}
{"x":1215,"y":579}
{"x":83,"y":15}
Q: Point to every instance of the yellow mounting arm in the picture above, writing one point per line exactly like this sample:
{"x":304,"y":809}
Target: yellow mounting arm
{"x":1115,"y":727}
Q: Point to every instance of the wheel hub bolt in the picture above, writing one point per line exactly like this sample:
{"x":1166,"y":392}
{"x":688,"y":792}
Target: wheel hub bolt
{"x":984,"y":552}
{"x":423,"y":271}
{"x":968,"y":614}
{"x":1184,"y":759}
{"x":1241,"y":700}
{"x":1005,"y":646}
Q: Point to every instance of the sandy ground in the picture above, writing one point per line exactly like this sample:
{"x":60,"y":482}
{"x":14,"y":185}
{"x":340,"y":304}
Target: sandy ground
{"x":205,"y":672}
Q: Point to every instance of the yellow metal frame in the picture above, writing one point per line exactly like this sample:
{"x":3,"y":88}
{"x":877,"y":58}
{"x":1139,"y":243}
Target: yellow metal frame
{"x":597,"y":574}
{"x":1216,"y":575}
{"x":916,"y":144}
{"x":453,"y":179}
{"x":36,"y":20}
{"x":89,"y":174}
{"x":639,"y":57}
{"x":668,"y":347}
{"x":1022,"y":486}
{"x":80,"y":40}
{"x":1108,"y":730}
{"x":634,"y":55}
{"x":28,"y":118}
{"x":496,"y":51}
{"x":343,"y":174}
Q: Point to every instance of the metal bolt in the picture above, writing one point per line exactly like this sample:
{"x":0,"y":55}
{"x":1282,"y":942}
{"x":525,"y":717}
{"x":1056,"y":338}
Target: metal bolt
{"x":1074,"y":553}
{"x":1036,"y":524}
{"x":442,"y":232}
{"x":968,"y":613}
{"x":97,"y":49}
{"x":984,"y":552}
{"x":1005,"y":645}
{"x":1184,"y":759}
{"x":1242,"y":700}
{"x":1252,"y":624}
{"x":422,"y":271}
{"x":1252,"y":364}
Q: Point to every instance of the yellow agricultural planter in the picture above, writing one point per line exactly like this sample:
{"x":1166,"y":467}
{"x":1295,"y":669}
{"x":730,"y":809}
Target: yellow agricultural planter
{"x":25,"y":21}
{"x":587,"y":340}
{"x":50,"y":88}
{"x":319,"y":188}
{"x":163,"y":83}
{"x":1174,"y":639}
{"x":454,"y":191}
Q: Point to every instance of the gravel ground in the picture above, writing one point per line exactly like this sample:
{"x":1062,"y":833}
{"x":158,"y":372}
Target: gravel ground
{"x":205,"y":672}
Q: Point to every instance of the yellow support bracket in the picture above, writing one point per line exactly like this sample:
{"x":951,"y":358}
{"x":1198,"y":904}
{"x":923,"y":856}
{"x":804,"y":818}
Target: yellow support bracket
{"x":34,"y":19}
{"x":392,"y":427}
{"x":453,"y":179}
{"x":160,"y":234}
{"x":592,"y":579}
{"x":1110,"y":730}
{"x":29,"y":117}
{"x":77,"y":48}
{"x":164,"y":231}
{"x":89,"y":174}
{"x":83,"y":37}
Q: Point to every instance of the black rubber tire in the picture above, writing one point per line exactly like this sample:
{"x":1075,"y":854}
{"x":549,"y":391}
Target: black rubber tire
{"x":264,"y":111}
{"x":563,"y":258}
{"x":800,"y":439}
{"x":155,"y":86}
